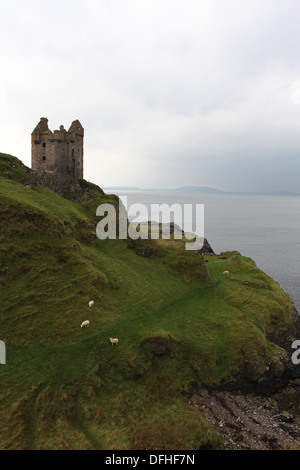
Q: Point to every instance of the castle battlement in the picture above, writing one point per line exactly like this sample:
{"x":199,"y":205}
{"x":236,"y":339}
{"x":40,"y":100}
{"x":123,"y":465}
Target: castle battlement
{"x":57,"y":157}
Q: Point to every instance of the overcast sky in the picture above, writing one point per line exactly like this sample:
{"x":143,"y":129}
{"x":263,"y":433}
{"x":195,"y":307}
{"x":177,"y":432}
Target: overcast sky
{"x":169,"y":92}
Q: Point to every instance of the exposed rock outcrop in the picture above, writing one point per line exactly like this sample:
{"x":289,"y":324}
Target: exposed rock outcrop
{"x":253,"y":423}
{"x":206,"y":249}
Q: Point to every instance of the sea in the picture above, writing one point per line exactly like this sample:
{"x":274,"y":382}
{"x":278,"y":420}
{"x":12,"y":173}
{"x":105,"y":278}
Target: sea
{"x":263,"y":227}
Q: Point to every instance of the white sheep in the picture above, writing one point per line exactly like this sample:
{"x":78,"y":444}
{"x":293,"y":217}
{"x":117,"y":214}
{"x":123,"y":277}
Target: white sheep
{"x":91,"y":303}
{"x":226,"y":272}
{"x":85,"y":324}
{"x":114,"y":341}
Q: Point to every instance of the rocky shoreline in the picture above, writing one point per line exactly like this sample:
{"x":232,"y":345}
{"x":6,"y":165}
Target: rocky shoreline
{"x":257,"y":412}
{"x":247,"y":422}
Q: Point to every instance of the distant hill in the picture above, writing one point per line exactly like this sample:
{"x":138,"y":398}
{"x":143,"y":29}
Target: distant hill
{"x":202,"y":189}
{"x":183,"y":188}
{"x":121,"y":188}
{"x":287,"y":193}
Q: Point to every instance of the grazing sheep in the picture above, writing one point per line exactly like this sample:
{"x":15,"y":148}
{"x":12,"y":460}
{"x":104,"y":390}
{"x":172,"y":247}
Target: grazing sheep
{"x":226,"y":272}
{"x":114,"y":341}
{"x":91,"y":303}
{"x":85,"y":324}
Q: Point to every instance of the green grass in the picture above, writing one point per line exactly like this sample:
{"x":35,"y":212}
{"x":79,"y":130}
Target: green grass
{"x":179,"y":321}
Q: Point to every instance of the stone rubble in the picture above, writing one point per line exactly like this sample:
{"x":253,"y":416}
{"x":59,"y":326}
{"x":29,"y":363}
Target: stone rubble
{"x":248,"y":422}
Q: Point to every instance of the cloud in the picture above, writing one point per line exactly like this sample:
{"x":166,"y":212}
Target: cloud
{"x":169,"y":92}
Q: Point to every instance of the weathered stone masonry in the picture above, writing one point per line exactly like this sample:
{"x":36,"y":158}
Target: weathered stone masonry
{"x":57,"y":157}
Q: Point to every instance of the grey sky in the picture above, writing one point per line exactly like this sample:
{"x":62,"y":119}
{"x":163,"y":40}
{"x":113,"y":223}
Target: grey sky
{"x":170,"y":92}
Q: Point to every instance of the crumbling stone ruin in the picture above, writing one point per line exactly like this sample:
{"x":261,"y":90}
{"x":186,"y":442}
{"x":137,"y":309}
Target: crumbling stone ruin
{"x":57,"y":157}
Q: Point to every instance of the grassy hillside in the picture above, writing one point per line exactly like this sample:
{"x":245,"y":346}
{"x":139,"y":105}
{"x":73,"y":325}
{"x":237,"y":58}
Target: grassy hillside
{"x":181,"y":324}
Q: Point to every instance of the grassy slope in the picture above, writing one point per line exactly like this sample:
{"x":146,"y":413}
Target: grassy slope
{"x":67,"y":387}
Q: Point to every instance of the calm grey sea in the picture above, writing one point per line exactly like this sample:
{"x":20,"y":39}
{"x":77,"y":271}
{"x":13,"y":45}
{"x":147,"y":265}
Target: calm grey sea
{"x":263,"y":227}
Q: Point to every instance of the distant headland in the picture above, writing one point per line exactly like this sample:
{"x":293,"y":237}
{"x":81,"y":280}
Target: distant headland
{"x":201,"y":189}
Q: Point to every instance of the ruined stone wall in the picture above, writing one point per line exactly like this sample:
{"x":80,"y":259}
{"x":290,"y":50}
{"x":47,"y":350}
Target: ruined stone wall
{"x":57,"y":157}
{"x":75,"y":150}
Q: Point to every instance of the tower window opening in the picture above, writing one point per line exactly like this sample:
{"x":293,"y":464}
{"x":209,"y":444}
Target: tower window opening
{"x":43,"y":158}
{"x":44,"y":145}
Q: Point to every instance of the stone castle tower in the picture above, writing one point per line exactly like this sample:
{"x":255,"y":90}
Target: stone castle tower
{"x":57,"y":157}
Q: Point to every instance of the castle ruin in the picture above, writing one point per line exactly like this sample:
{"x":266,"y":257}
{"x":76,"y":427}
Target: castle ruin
{"x":57,"y":157}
